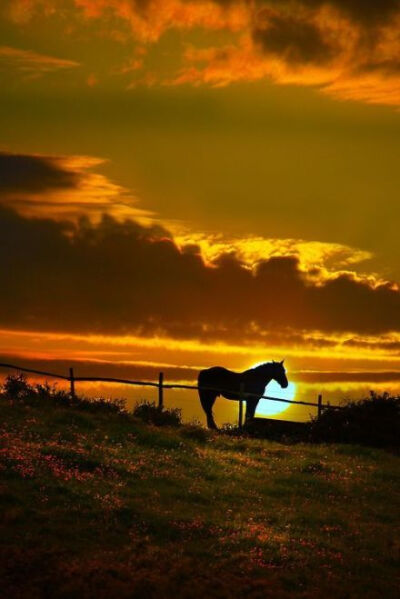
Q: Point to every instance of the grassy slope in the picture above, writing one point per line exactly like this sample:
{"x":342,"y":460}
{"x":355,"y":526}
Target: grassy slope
{"x":97,"y":504}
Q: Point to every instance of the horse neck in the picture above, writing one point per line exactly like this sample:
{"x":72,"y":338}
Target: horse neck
{"x":267,"y":374}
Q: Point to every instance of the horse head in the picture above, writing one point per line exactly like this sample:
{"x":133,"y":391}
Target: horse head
{"x":279,"y":374}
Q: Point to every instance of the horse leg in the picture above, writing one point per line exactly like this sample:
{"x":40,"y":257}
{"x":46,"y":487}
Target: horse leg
{"x":207,"y":400}
{"x":251,"y":405}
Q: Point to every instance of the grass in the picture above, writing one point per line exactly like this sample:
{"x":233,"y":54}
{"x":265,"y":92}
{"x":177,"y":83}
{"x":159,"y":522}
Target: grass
{"x":95,"y":502}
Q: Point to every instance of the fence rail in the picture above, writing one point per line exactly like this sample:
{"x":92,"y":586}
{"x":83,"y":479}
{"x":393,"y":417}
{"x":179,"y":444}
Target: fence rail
{"x":161,"y":385}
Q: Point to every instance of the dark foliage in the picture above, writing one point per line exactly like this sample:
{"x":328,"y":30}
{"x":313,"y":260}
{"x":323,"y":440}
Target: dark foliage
{"x":17,"y":388}
{"x":276,"y":430}
{"x":150,"y":413}
{"x":374,"y":421}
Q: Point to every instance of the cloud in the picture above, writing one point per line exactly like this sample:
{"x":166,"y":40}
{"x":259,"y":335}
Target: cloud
{"x":65,"y":187}
{"x":31,"y":64}
{"x":316,"y":257}
{"x":62,"y":187}
{"x":148,"y":20}
{"x":90,"y":366}
{"x":124,"y":278}
{"x":346,"y":377}
{"x":295,"y":40}
{"x":29,"y":173}
{"x":365,"y":11}
{"x":93,"y":367}
{"x":348,"y":49}
{"x":316,"y":44}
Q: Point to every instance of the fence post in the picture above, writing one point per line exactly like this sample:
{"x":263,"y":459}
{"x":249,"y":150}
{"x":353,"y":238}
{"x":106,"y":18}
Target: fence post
{"x":72,"y":381}
{"x":319,"y":405}
{"x":160,"y":391}
{"x":241,"y":393}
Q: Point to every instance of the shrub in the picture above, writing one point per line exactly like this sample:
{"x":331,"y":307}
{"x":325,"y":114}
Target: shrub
{"x":150,"y":413}
{"x":16,"y":386}
{"x":373,"y":421}
{"x":102,"y":404}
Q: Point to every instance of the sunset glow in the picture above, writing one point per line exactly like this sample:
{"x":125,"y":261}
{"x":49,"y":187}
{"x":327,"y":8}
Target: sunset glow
{"x":199,"y":207}
{"x":188,"y":184}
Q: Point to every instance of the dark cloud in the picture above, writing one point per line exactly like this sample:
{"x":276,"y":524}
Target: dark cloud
{"x":365,"y":11}
{"x":93,"y":368}
{"x":62,"y":187}
{"x":385,"y":67}
{"x":27,"y":173}
{"x":294,"y":39}
{"x":124,"y":278}
{"x":387,"y":345}
{"x":346,"y":377}
{"x":141,"y":371}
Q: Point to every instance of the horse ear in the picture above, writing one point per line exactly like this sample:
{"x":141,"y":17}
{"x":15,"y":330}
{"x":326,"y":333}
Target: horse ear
{"x":282,"y":361}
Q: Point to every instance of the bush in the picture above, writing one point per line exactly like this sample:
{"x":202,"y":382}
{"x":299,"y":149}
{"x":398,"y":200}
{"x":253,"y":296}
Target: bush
{"x":150,"y":413}
{"x":373,"y":421}
{"x":16,"y":387}
{"x":102,"y":404}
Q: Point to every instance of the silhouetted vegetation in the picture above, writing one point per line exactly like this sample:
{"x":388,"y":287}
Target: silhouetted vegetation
{"x":95,"y":503}
{"x":17,"y":388}
{"x":152,"y":414}
{"x":373,"y":421}
{"x":277,"y":430}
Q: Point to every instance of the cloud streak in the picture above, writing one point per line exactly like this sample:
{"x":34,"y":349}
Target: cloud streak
{"x":31,"y":64}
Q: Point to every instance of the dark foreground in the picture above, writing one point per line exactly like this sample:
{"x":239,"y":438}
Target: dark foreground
{"x":95,"y":503}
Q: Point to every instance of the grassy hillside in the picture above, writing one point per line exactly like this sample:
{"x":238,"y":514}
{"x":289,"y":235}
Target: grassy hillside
{"x":96,"y":503}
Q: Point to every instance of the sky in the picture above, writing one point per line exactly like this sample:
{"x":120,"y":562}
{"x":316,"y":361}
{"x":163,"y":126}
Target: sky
{"x":192,"y":183}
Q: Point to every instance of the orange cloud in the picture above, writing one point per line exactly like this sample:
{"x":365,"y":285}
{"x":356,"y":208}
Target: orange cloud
{"x":140,"y":280}
{"x":121,"y":277}
{"x":150,"y":19}
{"x":128,"y":356}
{"x":31,"y":64}
{"x":320,"y":260}
{"x":321,"y":49}
{"x":349,"y":50}
{"x":63,"y":187}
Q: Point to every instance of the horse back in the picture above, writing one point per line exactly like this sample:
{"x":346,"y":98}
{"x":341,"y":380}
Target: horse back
{"x":227,"y":383}
{"x":217,"y":378}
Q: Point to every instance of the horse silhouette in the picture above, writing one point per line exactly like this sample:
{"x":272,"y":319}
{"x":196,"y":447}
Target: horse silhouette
{"x":216,"y":381}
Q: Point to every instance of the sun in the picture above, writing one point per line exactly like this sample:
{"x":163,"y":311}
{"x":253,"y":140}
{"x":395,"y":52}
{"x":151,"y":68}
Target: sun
{"x":268,"y":407}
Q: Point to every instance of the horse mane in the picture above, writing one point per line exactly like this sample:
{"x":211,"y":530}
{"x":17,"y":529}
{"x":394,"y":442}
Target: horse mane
{"x":264,"y":365}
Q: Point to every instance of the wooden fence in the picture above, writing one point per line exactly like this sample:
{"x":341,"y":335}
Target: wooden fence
{"x":161,"y":385}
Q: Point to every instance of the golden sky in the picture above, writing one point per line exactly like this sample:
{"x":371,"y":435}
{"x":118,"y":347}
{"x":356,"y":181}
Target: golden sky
{"x":185,"y":183}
